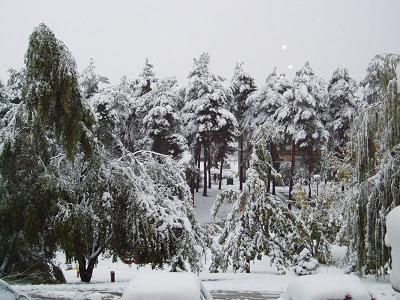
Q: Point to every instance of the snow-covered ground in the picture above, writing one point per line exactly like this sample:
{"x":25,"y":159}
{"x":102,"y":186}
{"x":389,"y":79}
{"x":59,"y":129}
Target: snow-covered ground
{"x":264,"y":282}
{"x":203,"y":204}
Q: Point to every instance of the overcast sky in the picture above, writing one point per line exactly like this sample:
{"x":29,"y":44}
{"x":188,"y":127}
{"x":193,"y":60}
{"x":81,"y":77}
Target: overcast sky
{"x":119,"y":35}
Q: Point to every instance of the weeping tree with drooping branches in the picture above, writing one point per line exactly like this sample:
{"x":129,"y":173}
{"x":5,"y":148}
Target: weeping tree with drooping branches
{"x":376,"y":154}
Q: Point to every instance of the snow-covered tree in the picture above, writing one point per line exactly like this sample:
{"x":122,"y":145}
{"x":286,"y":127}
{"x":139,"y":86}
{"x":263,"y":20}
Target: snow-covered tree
{"x":259,"y":223}
{"x":341,"y":108}
{"x":51,"y":119}
{"x":302,"y":116}
{"x":67,"y":190}
{"x":162,"y":123}
{"x":380,"y":71}
{"x":204,"y":110}
{"x":224,"y":138}
{"x":90,"y":80}
{"x":147,"y":79}
{"x":241,"y":87}
{"x":266,"y":102}
{"x":376,"y":140}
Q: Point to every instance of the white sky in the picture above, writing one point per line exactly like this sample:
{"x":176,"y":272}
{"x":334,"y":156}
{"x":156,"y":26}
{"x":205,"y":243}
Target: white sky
{"x":119,"y":35}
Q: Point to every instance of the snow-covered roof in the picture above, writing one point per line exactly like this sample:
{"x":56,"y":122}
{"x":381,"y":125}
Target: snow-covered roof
{"x":163,"y":286}
{"x":325,"y":286}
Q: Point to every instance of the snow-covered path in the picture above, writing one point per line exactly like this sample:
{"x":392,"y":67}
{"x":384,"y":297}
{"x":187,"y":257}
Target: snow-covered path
{"x":202,"y":205}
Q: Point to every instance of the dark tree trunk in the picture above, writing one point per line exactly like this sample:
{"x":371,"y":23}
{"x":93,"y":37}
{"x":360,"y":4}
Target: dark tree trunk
{"x":205,"y":158}
{"x":198,"y":166}
{"x":220,"y":174}
{"x":309,"y":176}
{"x":269,"y":180}
{"x":192,"y":185}
{"x":209,"y":169}
{"x":273,"y":186}
{"x":292,"y":170}
{"x":275,"y":164}
{"x":241,"y":162}
{"x":86,"y":272}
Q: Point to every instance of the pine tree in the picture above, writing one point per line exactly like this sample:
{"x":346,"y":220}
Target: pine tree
{"x":259,"y":223}
{"x":341,"y":109}
{"x":204,"y":110}
{"x":90,"y":80}
{"x":267,"y":101}
{"x":242,"y":86}
{"x":162,"y":122}
{"x":302,"y":116}
{"x":146,"y":79}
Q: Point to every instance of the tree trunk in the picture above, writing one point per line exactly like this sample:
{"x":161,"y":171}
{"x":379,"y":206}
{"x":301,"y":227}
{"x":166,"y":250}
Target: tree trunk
{"x":220,"y":174}
{"x":292,"y":170}
{"x":309,"y":181}
{"x":209,"y":169}
{"x":247,"y":270}
{"x":192,"y":186}
{"x":198,"y":166}
{"x":205,"y":158}
{"x":241,"y":162}
{"x":86,"y":272}
{"x":4,"y":265}
{"x":269,"y":181}
{"x":275,"y":164}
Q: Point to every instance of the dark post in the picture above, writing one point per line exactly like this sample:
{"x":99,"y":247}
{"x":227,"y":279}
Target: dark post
{"x":112,"y":273}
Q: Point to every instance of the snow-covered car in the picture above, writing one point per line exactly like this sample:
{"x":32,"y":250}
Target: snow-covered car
{"x":8,"y":293}
{"x":165,"y":286}
{"x":324,"y":287}
{"x":392,"y":239}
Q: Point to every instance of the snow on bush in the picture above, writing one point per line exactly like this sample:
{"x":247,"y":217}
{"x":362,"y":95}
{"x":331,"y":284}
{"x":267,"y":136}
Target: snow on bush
{"x":325,"y":286}
{"x":306,"y":264}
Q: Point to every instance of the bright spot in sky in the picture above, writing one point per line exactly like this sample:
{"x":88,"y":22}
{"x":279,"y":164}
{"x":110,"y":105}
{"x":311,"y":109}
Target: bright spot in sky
{"x":319,"y":20}
{"x":290,"y":67}
{"x":284,"y":47}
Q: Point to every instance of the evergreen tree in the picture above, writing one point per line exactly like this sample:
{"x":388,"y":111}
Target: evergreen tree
{"x":302,"y":116}
{"x":242,"y":86}
{"x":146,"y":79}
{"x":162,"y":123}
{"x":341,"y":109}
{"x":90,"y":80}
{"x":266,"y":103}
{"x":268,"y":99}
{"x":259,"y":223}
{"x":204,"y":109}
